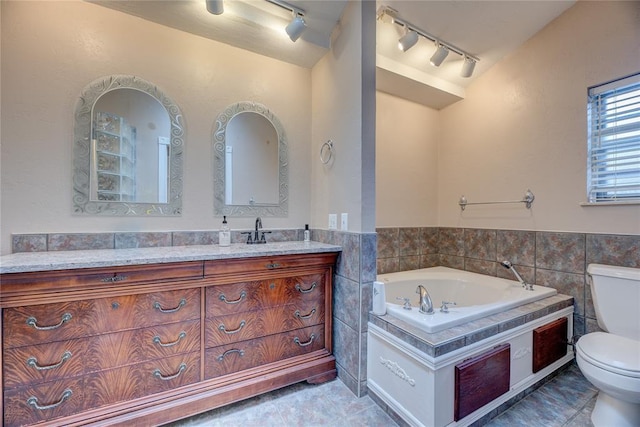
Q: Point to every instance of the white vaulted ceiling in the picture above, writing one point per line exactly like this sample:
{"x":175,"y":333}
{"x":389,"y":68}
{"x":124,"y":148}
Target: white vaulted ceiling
{"x":489,"y":30}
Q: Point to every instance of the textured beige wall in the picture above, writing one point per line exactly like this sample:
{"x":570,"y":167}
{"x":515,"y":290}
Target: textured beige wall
{"x":337,"y":115}
{"x":52,"y":50}
{"x":523,"y":125}
{"x":407,"y":136}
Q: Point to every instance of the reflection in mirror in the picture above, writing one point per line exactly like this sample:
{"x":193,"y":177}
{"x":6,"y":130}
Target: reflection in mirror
{"x":251,"y":162}
{"x":127,"y":150}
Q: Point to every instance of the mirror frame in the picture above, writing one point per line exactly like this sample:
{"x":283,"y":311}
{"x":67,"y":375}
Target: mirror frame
{"x":82,"y":203}
{"x":280,"y":209}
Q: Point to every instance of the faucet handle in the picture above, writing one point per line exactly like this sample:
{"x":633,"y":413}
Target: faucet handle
{"x":263,"y":239}
{"x":249,"y":239}
{"x":406,"y":302}
{"x":444,"y":308}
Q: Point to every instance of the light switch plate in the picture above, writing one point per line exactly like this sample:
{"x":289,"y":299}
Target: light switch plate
{"x":344,"y":221}
{"x":333,"y":221}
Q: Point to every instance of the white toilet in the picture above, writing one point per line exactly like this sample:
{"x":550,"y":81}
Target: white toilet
{"x":611,"y":360}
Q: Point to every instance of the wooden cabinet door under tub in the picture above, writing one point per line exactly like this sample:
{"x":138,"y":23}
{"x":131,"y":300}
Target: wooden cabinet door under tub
{"x":139,"y":345}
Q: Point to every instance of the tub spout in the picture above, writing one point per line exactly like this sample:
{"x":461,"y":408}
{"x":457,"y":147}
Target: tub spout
{"x":426,"y":305}
{"x":509,"y":266}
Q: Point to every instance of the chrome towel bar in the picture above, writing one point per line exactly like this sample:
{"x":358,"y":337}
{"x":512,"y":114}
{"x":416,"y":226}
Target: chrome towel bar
{"x":527,"y":199}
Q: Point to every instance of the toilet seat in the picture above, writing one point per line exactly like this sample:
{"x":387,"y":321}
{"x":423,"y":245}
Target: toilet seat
{"x":613,"y":353}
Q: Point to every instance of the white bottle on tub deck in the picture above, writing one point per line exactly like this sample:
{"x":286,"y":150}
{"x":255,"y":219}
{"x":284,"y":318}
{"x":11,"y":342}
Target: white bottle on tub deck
{"x":379,"y":299}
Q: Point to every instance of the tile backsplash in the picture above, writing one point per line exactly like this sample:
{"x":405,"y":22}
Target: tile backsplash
{"x":554,"y":259}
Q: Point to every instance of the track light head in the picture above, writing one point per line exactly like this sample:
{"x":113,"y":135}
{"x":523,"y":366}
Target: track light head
{"x":467,"y":67}
{"x":296,"y":27}
{"x":407,"y":41}
{"x":440,"y":54}
{"x":215,"y":6}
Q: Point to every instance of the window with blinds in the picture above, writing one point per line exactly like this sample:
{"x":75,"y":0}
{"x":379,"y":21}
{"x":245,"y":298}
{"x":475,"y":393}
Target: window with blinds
{"x":614,"y":141}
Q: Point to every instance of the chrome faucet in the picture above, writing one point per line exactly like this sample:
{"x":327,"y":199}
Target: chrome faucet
{"x":509,"y":266}
{"x":256,"y":236}
{"x":426,"y":305}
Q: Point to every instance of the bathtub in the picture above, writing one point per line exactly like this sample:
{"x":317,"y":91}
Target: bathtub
{"x":475,"y":295}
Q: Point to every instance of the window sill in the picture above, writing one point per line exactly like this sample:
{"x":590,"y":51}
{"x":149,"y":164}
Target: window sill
{"x":631,"y":203}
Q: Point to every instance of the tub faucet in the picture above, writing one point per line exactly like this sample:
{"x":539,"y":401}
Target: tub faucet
{"x":509,"y":266}
{"x":426,"y":306}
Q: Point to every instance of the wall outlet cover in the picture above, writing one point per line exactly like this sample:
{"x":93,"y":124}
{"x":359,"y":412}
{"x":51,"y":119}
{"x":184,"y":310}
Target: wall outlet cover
{"x":333,"y":221}
{"x":344,"y":221}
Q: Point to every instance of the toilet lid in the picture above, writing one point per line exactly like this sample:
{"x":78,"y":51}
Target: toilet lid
{"x":611,"y":352}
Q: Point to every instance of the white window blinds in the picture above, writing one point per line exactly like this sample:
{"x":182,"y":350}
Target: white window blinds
{"x":614,"y":141}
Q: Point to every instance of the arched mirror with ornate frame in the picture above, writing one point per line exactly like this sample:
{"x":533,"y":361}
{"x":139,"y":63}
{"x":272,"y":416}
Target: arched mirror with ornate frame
{"x":128,"y":145}
{"x":250,"y":162}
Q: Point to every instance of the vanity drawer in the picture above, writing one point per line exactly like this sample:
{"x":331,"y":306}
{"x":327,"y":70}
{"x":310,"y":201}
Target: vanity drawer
{"x":44,"y":402}
{"x":72,"y":358}
{"x":267,"y":264}
{"x":68,"y":396}
{"x":253,"y":324}
{"x":62,"y":321}
{"x":247,"y":296}
{"x":100,"y":277}
{"x":242,"y":355}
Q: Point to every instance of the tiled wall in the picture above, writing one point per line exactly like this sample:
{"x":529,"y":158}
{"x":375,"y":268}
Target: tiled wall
{"x":79,"y":241}
{"x":355,"y":273}
{"x":558,"y":260}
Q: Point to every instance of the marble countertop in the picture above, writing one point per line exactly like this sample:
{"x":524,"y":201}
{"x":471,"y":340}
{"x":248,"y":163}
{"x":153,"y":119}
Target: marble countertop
{"x":65,"y":260}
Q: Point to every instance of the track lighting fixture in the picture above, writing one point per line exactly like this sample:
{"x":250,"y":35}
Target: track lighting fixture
{"x":439,"y":55}
{"x":410,"y":38}
{"x":215,"y":6}
{"x":467,"y":67}
{"x":296,"y":27}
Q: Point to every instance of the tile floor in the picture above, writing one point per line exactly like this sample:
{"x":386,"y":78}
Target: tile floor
{"x":565,"y":400}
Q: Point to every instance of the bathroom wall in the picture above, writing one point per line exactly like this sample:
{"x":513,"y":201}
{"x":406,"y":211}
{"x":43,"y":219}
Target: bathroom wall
{"x":406,"y":163}
{"x":52,"y":50}
{"x":523,"y":124}
{"x":343,"y":111}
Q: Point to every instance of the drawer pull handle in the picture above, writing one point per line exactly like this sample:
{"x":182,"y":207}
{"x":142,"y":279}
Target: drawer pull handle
{"x":32,"y":321}
{"x":306,"y":316}
{"x":156,"y":340}
{"x":33,"y":401}
{"x":272,"y":265}
{"x":306,"y":291}
{"x":224,"y":299}
{"x":32,"y":361}
{"x":233,"y":350}
{"x":304,"y":344}
{"x":115,"y":278}
{"x":158,"y":374}
{"x":223,"y":329}
{"x":158,"y":307}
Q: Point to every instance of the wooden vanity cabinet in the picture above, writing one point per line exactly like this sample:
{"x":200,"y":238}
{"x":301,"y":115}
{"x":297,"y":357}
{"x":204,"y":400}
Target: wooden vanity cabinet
{"x":150,"y":344}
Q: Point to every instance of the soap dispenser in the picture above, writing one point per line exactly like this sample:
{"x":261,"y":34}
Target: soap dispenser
{"x":224,"y":237}
{"x":307,"y":233}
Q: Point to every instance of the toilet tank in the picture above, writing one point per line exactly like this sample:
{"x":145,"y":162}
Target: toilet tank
{"x":616,"y":297}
